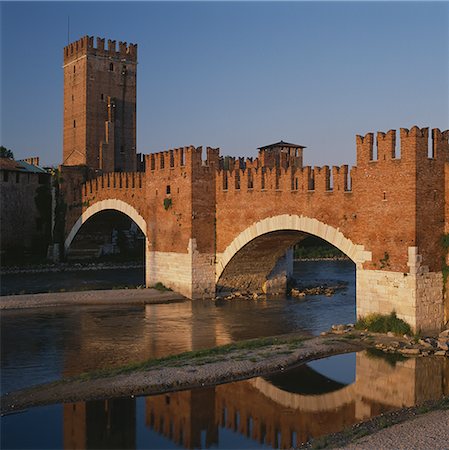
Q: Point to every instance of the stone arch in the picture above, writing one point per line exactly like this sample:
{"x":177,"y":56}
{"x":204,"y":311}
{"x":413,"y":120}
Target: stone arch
{"x":114,"y":204}
{"x":334,"y":236}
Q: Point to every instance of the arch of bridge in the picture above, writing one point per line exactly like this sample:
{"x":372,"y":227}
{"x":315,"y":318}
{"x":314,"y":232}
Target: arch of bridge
{"x":103,"y":205}
{"x":287,"y":222}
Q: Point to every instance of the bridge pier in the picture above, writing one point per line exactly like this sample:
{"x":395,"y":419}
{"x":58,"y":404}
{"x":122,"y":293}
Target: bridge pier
{"x":192,"y":274}
{"x":416,"y":296}
{"x":277,"y":280}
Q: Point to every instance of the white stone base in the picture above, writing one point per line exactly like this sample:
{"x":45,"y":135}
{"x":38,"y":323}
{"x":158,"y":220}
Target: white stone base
{"x":192,"y":274}
{"x":416,"y":298}
{"x":277,"y":280}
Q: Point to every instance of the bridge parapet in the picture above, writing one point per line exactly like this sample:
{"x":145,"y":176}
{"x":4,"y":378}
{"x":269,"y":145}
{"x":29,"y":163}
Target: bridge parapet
{"x":414,"y":145}
{"x":180,"y":158}
{"x":114,"y":180}
{"x":292,"y":179}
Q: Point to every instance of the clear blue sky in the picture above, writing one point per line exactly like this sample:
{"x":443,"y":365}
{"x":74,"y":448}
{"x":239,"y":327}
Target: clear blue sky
{"x":237,"y":75}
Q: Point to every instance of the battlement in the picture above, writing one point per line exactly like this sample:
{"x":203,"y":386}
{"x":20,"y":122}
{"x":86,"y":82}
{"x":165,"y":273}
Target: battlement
{"x":305,"y":179}
{"x":414,"y":145}
{"x":114,"y":180}
{"x":85,"y":46}
{"x":181,"y":157}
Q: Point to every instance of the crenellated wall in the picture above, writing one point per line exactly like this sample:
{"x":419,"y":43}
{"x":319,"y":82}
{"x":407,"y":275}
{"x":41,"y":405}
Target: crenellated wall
{"x":388,"y":213}
{"x":85,"y":46}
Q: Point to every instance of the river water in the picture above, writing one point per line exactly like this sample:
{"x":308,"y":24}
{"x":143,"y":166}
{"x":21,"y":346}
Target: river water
{"x":40,"y":345}
{"x":278,"y":411}
{"x":323,"y":396}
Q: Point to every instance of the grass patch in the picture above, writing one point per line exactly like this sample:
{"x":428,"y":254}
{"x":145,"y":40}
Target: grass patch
{"x":321,"y":442}
{"x":350,"y":336}
{"x":198,"y":357}
{"x":383,"y":323}
{"x":160,"y":287}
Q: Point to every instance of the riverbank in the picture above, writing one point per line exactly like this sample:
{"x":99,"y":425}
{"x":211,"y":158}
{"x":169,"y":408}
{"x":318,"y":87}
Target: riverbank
{"x":186,"y":371}
{"x":89,"y":298}
{"x":395,"y":430}
{"x":232,"y":362}
{"x":69,"y":267}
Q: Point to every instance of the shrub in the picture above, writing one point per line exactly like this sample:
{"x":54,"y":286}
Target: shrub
{"x":160,"y":287}
{"x":383,"y":323}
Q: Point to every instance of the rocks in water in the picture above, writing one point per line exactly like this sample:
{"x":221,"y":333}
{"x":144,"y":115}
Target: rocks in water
{"x":427,"y":343}
{"x":242,"y":296}
{"x":443,"y":341}
{"x":410,"y":351}
{"x":341,"y":328}
{"x":297,"y":293}
{"x":444,"y":334}
{"x":324,"y":289}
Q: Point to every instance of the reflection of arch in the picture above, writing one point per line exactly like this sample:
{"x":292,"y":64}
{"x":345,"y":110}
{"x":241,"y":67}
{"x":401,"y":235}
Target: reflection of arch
{"x":309,"y":403}
{"x":295,"y":223}
{"x":114,"y":204}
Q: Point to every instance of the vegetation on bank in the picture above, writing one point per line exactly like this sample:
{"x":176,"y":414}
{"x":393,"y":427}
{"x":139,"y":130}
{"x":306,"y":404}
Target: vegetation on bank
{"x":315,"y":248}
{"x":160,"y":287}
{"x":383,"y":323}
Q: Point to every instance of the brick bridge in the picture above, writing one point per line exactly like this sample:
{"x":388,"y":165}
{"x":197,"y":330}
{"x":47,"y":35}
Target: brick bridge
{"x":231,"y":222}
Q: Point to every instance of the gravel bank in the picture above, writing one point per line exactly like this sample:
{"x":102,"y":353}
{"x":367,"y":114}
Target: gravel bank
{"x":178,"y":374}
{"x":105,"y":297}
{"x":428,"y":431}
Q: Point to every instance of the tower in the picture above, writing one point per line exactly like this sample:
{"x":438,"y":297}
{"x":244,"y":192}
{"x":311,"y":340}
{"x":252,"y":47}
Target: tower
{"x":100,"y":105}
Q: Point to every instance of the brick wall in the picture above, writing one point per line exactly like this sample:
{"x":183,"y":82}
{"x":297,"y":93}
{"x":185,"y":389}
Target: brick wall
{"x":20,"y":222}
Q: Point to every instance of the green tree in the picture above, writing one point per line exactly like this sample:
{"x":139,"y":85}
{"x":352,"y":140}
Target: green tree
{"x":6,"y":153}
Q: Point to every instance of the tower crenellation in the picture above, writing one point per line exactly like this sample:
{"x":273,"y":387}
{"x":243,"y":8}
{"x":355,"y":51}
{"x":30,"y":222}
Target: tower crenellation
{"x":85,"y":45}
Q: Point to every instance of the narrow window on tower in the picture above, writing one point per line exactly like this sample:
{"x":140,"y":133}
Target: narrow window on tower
{"x":122,"y":149}
{"x":74,"y":124}
{"x":111,"y":67}
{"x":102,"y":97}
{"x":74,"y":69}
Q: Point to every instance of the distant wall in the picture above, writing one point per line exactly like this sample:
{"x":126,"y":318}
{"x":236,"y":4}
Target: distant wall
{"x":21,"y":224}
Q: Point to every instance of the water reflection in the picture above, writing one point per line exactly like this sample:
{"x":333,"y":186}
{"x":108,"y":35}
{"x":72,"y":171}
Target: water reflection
{"x":44,"y":344}
{"x":279,"y":411}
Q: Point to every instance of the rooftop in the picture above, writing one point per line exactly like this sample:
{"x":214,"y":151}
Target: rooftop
{"x":281,"y":144}
{"x":19,"y":166}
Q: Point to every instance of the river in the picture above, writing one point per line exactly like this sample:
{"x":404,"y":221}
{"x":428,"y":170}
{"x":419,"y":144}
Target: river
{"x":40,"y":345}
